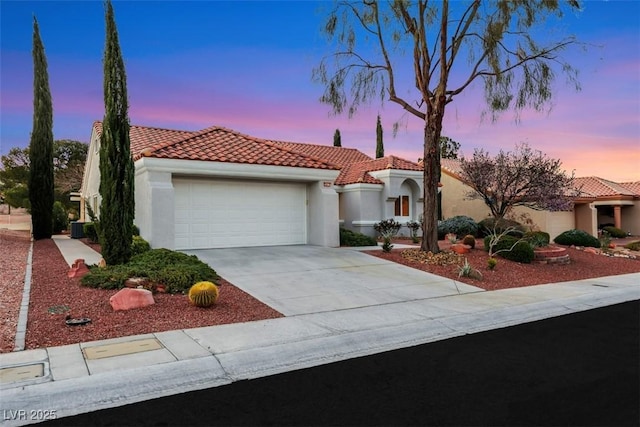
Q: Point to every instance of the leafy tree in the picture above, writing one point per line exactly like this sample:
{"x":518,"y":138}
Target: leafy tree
{"x":69,"y":158}
{"x":15,"y":166}
{"x":448,"y":148}
{"x":520,"y":178}
{"x":41,"y":145}
{"x":116,"y":165}
{"x":496,"y":38}
{"x":379,"y":143}
{"x":337,"y":139}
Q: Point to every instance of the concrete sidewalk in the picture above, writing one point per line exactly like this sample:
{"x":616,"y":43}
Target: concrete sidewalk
{"x":86,"y":377}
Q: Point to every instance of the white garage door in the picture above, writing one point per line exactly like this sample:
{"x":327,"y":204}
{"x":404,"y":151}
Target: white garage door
{"x":226,"y":213}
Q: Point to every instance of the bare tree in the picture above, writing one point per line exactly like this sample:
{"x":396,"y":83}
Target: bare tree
{"x":520,"y":178}
{"x":369,"y":62}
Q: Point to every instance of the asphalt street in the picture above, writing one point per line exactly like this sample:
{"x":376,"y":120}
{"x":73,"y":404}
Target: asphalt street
{"x":578,"y":369}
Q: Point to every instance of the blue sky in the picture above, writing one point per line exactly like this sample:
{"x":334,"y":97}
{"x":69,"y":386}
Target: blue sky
{"x":247,"y":66}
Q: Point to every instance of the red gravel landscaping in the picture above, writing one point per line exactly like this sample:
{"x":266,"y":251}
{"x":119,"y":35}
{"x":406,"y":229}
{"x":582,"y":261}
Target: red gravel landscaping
{"x":54,"y":295}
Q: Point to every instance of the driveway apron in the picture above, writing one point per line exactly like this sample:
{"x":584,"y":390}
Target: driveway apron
{"x":305,"y":279}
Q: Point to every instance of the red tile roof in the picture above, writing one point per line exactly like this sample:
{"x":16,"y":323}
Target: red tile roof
{"x":634,"y":187}
{"x":340,"y":156}
{"x":215,"y":144}
{"x":145,"y":137}
{"x":359,"y":172}
{"x":451,"y":165}
{"x":593,"y":186}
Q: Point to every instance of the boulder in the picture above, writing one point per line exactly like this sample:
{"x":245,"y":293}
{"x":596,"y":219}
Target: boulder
{"x":129,"y":298}
{"x":78,"y":269}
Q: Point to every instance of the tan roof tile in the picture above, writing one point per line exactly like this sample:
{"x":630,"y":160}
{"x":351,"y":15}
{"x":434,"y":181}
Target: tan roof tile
{"x":593,"y":186}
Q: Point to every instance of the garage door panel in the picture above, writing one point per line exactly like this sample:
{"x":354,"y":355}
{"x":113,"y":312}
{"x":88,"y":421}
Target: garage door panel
{"x":219,"y":213}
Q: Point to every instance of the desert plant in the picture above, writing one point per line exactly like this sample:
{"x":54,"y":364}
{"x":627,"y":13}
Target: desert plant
{"x":139,"y":245}
{"x":511,"y":248}
{"x":537,"y":239}
{"x":577,"y":238}
{"x":466,"y":270}
{"x":203,"y":294}
{"x":615,"y":232}
{"x":604,"y":239}
{"x":387,"y":228}
{"x":60,"y":217}
{"x":460,"y":225}
{"x":633,"y":246}
{"x":469,"y":240}
{"x":414,"y":227}
{"x":491,"y":263}
{"x":353,"y":238}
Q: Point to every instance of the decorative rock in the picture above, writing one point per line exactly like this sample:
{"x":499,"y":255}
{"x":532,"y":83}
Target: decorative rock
{"x":460,"y":248}
{"x":128,"y":298}
{"x":78,"y":269}
{"x":102,"y":263}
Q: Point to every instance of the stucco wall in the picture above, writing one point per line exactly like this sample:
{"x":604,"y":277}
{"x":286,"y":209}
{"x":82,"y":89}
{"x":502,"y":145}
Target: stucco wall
{"x":361,"y":207}
{"x":631,"y":218}
{"x":323,"y":229}
{"x":455,"y":202}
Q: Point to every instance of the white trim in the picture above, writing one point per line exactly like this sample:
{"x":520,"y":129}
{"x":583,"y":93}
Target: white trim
{"x":233,"y":170}
{"x":366,"y":223}
{"x":359,"y":187}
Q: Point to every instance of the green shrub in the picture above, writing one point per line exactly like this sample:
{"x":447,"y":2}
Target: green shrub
{"x":387,"y":228}
{"x":177,"y":271}
{"x":136,"y":230}
{"x":90,"y":230}
{"x":59,"y":217}
{"x":634,"y":246}
{"x":414,"y":227}
{"x":352,"y":238}
{"x":615,"y":232}
{"x":511,"y":248}
{"x":139,"y":245}
{"x":577,"y":238}
{"x":488,"y":225}
{"x":459,"y":225}
{"x":537,"y":239}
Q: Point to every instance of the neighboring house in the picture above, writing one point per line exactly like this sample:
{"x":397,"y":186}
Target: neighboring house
{"x":601,"y":202}
{"x":220,"y":188}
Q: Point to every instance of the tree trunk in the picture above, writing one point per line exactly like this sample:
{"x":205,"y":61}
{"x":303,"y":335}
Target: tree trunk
{"x":431,"y":177}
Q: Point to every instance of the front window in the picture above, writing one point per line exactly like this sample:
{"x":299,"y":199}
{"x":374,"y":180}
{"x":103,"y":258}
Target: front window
{"x":402,"y":206}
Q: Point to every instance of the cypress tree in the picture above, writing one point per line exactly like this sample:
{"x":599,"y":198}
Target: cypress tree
{"x":116,"y":166}
{"x":41,"y":145}
{"x":379,"y":145}
{"x":337,"y":139}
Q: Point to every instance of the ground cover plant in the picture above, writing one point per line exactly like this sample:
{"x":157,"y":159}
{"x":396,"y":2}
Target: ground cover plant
{"x":175,"y":270}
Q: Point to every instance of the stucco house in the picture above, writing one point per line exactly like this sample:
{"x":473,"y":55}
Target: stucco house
{"x":600,"y":202}
{"x":220,"y":188}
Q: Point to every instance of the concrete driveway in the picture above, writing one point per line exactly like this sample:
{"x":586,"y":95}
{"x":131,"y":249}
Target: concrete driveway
{"x":310,"y":279}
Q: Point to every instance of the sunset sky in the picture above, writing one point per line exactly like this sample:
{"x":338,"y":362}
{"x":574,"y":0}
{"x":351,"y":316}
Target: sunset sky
{"x":247,"y":66}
